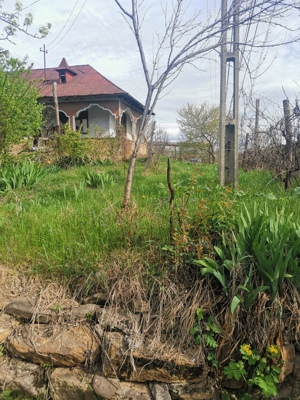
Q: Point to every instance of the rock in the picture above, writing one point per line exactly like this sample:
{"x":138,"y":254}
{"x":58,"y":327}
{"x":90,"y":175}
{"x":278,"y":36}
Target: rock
{"x":130,"y":360}
{"x":85,"y":312}
{"x":22,"y":377}
{"x":160,"y":391}
{"x":3,"y":299}
{"x":71,"y":385}
{"x":7,"y":325}
{"x":202,"y":390}
{"x":65,"y":346}
{"x":288,"y":355}
{"x":111,"y":320}
{"x":98,"y":298}
{"x":20,"y":307}
{"x":105,"y":388}
{"x":133,"y":391}
{"x":113,"y":356}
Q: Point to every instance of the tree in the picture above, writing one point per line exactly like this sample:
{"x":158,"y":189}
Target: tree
{"x":20,"y":113}
{"x":12,"y":22}
{"x":188,"y":36}
{"x":199,"y":126}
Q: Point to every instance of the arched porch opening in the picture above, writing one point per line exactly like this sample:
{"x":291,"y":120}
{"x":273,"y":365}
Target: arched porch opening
{"x":96,"y":121}
{"x":128,"y":124}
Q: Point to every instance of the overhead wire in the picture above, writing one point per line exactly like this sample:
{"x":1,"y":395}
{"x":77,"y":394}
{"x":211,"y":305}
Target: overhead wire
{"x":65,"y":24}
{"x":36,"y":1}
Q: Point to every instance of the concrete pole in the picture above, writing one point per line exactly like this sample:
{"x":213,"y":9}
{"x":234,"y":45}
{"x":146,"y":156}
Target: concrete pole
{"x":223,"y":95}
{"x":228,"y":157}
{"x":236,"y":88}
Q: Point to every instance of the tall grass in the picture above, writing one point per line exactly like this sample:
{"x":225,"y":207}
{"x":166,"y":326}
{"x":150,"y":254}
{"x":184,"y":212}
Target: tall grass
{"x":63,"y":226}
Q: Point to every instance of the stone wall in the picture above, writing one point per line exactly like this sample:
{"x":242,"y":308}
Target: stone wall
{"x":93,"y":351}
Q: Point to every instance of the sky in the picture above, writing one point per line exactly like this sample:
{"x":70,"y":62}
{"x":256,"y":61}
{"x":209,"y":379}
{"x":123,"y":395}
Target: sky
{"x":94,"y":32}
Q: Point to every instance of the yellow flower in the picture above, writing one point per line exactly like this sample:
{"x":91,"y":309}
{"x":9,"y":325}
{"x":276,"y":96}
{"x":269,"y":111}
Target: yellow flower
{"x":143,"y":197}
{"x":247,"y":349}
{"x":273,"y":350}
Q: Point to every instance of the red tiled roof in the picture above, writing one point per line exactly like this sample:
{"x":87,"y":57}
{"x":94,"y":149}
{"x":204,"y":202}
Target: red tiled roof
{"x":87,"y":81}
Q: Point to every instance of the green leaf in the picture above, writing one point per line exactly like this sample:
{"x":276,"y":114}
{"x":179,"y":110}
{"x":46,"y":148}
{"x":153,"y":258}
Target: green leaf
{"x":235,"y":370}
{"x":234,"y":303}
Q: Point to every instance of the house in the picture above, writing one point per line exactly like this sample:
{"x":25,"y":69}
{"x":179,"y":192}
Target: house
{"x":87,"y":101}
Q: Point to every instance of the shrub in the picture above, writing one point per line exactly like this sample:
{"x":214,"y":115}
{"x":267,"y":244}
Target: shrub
{"x":71,"y":149}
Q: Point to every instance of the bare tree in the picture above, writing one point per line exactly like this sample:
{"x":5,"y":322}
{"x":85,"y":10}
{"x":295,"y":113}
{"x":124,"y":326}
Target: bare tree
{"x":279,"y":144}
{"x":188,"y":36}
{"x":199,"y":125}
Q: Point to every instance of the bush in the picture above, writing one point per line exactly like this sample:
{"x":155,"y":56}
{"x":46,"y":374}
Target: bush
{"x":71,"y":149}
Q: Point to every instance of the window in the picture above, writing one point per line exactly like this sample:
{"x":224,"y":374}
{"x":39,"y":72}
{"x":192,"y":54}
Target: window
{"x":62,"y":77}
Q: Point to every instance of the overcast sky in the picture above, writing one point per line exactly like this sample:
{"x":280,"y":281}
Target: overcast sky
{"x":94,"y":32}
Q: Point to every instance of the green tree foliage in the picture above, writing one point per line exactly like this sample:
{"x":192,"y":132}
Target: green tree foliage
{"x":13,"y":21}
{"x":20,"y":113}
{"x":199,"y":125}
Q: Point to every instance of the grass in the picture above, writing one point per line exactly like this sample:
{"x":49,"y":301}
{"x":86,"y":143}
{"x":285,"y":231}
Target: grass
{"x":62,"y":226}
{"x":64,"y":229}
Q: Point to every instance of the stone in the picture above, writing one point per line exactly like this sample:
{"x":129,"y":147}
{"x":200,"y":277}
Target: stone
{"x":100,"y":298}
{"x":66,"y":346}
{"x":160,"y":391}
{"x":130,"y":360}
{"x":85,"y":312}
{"x":105,"y":388}
{"x":20,"y":307}
{"x":22,"y":377}
{"x":7,"y":325}
{"x":288,"y":355}
{"x":3,"y":299}
{"x":110,"y":319}
{"x":66,"y":384}
{"x":133,"y":391}
{"x":202,"y":390}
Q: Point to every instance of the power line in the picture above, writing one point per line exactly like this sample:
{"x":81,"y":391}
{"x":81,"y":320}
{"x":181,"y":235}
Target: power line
{"x":65,"y":24}
{"x":36,"y":1}
{"x":70,"y":26}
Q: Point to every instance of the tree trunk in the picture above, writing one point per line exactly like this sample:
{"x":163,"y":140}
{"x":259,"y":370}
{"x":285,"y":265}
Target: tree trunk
{"x":132,"y":163}
{"x":150,"y":145}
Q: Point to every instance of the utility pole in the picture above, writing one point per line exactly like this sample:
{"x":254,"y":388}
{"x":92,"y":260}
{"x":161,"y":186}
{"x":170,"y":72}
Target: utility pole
{"x":45,"y":52}
{"x":228,"y":147}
